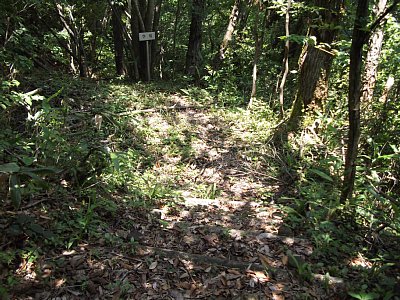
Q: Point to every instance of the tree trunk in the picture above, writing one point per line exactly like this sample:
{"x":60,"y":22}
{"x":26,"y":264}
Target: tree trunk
{"x":118,"y":40}
{"x":233,"y":19}
{"x":372,"y":59}
{"x":258,"y":44}
{"x":145,"y":18}
{"x":354,"y":96}
{"x":285,"y":59}
{"x":244,"y":12}
{"x":315,"y":62}
{"x":154,"y":45}
{"x":193,"y":55}
{"x":360,"y":35}
{"x":257,"y":50}
{"x":381,"y":119}
{"x":75,"y":35}
{"x":176,"y":22}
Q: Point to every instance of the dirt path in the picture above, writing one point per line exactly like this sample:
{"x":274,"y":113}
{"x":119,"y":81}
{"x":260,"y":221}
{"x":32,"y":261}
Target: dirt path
{"x":223,"y":238}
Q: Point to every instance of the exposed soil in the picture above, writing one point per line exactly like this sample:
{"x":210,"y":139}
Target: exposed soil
{"x":229,"y":243}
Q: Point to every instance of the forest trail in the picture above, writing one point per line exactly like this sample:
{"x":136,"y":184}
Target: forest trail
{"x":220,"y":236}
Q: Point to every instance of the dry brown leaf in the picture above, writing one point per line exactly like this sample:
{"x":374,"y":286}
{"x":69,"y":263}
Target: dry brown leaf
{"x":189,"y":239}
{"x":285,"y":260}
{"x":212,"y":239}
{"x":144,"y":280}
{"x":184,"y":285}
{"x":223,"y":280}
{"x":59,"y":282}
{"x":261,"y":276}
{"x":233,"y":276}
{"x":77,"y":260}
{"x":253,"y":282}
{"x":153,"y":265}
{"x":264,"y":260}
{"x":239,"y":284}
{"x":276,"y":296}
{"x":234,"y":271}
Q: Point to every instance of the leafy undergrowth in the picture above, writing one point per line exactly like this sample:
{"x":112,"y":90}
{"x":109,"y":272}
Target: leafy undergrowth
{"x":168,"y":196}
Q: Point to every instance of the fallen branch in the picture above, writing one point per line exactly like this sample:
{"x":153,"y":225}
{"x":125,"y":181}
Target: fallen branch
{"x":34,"y":203}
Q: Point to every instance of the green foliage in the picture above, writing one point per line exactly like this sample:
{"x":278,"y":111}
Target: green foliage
{"x":50,"y":148}
{"x":24,"y":224}
{"x":364,"y":296}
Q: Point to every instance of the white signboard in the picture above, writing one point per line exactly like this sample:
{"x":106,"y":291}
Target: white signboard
{"x":147,"y":36}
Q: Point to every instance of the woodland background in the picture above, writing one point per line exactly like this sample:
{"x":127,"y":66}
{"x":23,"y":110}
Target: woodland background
{"x":299,"y":98}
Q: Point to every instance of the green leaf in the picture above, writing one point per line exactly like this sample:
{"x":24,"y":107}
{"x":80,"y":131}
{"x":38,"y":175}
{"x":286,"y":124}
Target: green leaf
{"x":28,"y":100}
{"x":15,"y":190}
{"x":40,"y":170}
{"x":56,"y":94}
{"x":322,"y":174}
{"x":28,"y":160}
{"x":186,"y":92}
{"x":115,"y":160}
{"x":24,"y":219}
{"x":33,"y":176}
{"x":36,"y":228}
{"x":364,"y":296}
{"x":9,"y":168}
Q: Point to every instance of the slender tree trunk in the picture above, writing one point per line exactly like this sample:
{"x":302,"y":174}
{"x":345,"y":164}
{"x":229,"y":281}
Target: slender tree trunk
{"x":285,"y":59}
{"x":72,"y":57}
{"x":118,"y":40}
{"x":381,"y":119}
{"x":258,"y":44}
{"x":68,"y":46}
{"x":144,"y":13}
{"x":128,"y":42}
{"x":154,"y":45}
{"x":233,"y":19}
{"x":176,"y":22}
{"x":135,"y":29}
{"x":76,"y":36}
{"x":101,"y":27}
{"x":149,"y":19}
{"x":372,"y":59}
{"x":193,"y":55}
{"x":244,"y":11}
{"x":355,"y":73}
{"x":315,"y":62}
{"x":359,"y":39}
{"x":257,"y":51}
